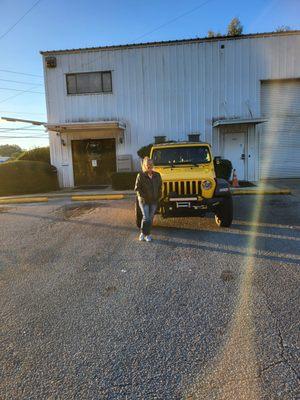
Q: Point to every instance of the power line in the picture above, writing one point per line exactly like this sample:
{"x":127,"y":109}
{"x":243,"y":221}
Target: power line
{"x":23,"y":134}
{"x":25,"y":131}
{"x":26,"y":83}
{"x":20,"y":73}
{"x":21,"y":112}
{"x":20,"y":128}
{"x":20,"y":19}
{"x":18,"y":94}
{"x":173,"y":19}
{"x":20,"y":90}
{"x":17,"y":129}
{"x":163,"y":25}
{"x":39,"y":133}
{"x":23,"y":128}
{"x":22,"y":137}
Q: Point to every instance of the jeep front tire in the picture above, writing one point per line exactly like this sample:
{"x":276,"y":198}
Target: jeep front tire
{"x":224,"y":213}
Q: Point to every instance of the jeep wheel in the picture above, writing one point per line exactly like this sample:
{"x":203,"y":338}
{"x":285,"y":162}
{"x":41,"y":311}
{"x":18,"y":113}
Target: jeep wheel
{"x":138,"y":214}
{"x":224,"y":213}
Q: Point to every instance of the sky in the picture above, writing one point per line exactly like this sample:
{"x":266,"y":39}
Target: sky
{"x":28,"y":26}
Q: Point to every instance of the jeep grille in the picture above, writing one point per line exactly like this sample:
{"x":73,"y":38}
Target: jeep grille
{"x":182,"y":187}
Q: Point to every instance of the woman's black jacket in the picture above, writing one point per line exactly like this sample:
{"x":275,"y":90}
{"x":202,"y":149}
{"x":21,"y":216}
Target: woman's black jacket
{"x":148,"y":189}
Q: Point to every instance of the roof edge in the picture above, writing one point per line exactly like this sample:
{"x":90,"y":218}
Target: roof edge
{"x":89,"y":125}
{"x":171,"y":42}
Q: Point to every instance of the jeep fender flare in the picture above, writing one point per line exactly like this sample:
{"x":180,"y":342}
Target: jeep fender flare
{"x":222,"y":188}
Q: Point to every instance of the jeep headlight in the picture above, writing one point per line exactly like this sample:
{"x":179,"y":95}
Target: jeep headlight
{"x":206,"y":185}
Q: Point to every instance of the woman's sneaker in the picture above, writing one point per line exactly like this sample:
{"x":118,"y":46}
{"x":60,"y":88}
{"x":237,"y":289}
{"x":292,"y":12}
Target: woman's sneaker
{"x":148,"y":238}
{"x":141,"y":237}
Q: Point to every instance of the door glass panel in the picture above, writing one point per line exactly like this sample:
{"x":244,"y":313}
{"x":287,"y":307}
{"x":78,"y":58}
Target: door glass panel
{"x":93,"y":161}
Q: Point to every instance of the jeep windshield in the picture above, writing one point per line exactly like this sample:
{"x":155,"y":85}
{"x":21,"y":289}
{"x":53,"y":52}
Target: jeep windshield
{"x":181,"y":155}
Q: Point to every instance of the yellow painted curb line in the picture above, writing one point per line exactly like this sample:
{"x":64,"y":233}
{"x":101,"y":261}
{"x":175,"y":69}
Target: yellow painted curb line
{"x":24,"y":200}
{"x":261,"y":192}
{"x":98,"y":197}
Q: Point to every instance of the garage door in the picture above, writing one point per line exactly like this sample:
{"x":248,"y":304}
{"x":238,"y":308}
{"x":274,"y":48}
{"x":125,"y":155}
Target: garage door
{"x":280,"y":136}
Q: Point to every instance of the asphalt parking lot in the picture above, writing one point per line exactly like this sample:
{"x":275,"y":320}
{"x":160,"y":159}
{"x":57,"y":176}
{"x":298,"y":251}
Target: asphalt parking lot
{"x":88,"y":312}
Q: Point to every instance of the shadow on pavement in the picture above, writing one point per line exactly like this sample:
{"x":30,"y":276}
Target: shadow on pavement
{"x":215,"y":239}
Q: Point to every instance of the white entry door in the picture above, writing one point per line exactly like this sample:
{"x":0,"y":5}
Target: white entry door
{"x":234,"y":150}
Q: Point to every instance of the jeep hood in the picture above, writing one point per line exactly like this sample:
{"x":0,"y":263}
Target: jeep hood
{"x":186,"y":172}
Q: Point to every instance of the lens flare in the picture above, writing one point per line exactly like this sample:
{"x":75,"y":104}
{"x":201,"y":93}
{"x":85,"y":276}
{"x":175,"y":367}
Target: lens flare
{"x":233,"y":374}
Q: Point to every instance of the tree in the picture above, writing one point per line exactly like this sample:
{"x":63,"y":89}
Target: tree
{"x":212,"y":34}
{"x":16,"y":155}
{"x":283,"y":28}
{"x":7,"y":150}
{"x":235,"y":28}
{"x":145,"y":151}
{"x":37,"y":154}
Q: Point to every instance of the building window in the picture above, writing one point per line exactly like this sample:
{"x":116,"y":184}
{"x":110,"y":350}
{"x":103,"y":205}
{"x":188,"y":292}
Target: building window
{"x":89,"y":82}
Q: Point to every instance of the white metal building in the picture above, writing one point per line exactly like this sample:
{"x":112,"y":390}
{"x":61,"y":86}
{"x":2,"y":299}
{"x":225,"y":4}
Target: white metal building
{"x":241,"y":94}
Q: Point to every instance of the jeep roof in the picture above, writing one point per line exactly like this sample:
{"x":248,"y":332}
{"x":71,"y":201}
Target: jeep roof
{"x":174,"y":144}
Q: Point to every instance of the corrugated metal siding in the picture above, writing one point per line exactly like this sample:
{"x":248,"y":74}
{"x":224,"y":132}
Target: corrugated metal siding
{"x":173,"y":90}
{"x":280,"y":137}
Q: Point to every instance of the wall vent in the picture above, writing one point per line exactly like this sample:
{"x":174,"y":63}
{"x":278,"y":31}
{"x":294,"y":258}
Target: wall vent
{"x":124,"y":163}
{"x":50,"y":62}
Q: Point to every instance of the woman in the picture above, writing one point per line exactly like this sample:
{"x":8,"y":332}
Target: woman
{"x":148,"y":188}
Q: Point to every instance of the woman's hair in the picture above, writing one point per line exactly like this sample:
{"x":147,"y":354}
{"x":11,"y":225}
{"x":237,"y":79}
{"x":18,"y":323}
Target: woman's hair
{"x":146,"y":160}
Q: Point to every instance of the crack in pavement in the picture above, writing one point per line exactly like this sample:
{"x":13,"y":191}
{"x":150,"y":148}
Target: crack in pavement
{"x":284,"y":360}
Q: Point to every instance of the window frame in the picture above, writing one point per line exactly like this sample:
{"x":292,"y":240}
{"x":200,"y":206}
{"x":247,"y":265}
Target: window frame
{"x":89,"y":93}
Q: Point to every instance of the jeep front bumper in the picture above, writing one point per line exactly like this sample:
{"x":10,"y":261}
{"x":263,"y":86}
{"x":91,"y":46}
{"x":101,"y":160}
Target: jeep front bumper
{"x":174,"y":205}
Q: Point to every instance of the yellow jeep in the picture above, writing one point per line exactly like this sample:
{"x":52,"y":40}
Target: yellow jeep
{"x":190,"y":186}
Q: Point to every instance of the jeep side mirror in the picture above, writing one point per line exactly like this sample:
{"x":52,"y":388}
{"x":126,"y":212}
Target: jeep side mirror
{"x":217,"y":160}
